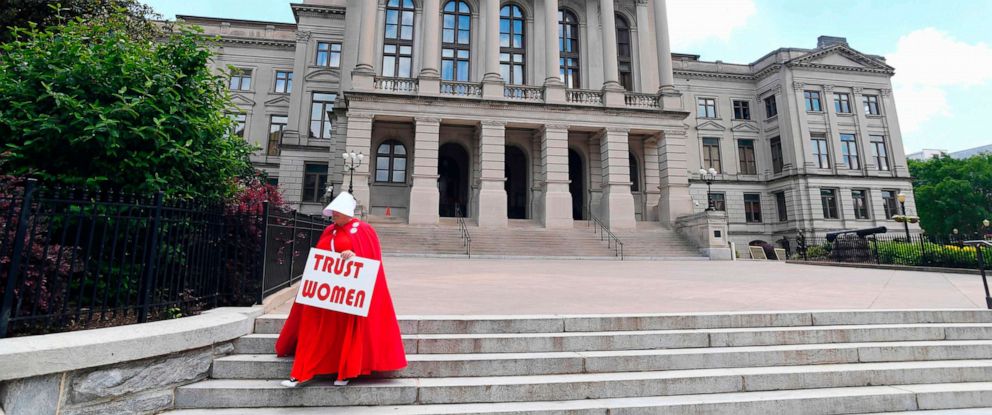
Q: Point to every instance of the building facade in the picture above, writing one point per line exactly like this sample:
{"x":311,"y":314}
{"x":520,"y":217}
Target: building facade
{"x":556,"y":111}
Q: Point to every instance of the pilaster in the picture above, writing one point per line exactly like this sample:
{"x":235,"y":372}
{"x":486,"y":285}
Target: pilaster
{"x":617,"y":202}
{"x":673,"y":176}
{"x":492,"y":190}
{"x":424,"y":195}
{"x":557,"y":201}
{"x":359,"y":140}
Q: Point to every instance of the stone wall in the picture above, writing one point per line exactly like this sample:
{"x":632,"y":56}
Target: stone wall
{"x":708,"y":231}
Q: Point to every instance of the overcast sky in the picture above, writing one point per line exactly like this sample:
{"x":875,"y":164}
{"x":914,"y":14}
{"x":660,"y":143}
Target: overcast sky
{"x":940,"y":48}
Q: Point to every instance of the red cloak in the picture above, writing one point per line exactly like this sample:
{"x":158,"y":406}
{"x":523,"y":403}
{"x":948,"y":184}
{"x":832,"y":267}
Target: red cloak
{"x":326,"y":341}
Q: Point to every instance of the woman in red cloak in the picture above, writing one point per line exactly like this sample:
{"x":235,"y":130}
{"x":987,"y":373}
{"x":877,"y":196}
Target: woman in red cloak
{"x":325,"y":341}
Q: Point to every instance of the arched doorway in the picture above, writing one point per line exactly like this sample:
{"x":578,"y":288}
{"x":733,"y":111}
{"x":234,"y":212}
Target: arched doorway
{"x":576,"y":174}
{"x":452,"y":183}
{"x":515,"y":166}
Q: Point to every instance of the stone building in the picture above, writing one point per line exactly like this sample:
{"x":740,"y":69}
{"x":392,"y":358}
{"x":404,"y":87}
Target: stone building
{"x":460,"y":109}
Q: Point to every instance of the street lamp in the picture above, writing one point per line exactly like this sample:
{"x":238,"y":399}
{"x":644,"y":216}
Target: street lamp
{"x":708,"y":176}
{"x":329,"y":192}
{"x":902,"y":203}
{"x":351,"y":162}
{"x":985,"y":228}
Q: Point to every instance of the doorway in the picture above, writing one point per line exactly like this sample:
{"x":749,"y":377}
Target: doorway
{"x":576,"y":170}
{"x":515,"y":166}
{"x":452,"y":183}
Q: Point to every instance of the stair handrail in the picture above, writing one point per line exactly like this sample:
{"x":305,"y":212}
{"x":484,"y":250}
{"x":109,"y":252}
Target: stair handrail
{"x":463,"y":230}
{"x":978,"y":244}
{"x":612,"y":242}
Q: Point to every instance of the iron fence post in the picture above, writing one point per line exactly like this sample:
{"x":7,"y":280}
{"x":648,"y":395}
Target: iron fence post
{"x":151,"y":257}
{"x":264,"y":246}
{"x":6,"y":307}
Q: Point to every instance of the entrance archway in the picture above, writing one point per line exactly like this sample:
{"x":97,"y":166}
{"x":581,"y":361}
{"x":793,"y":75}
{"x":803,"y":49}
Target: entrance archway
{"x":452,"y":183}
{"x":515,"y":166}
{"x":576,"y":174}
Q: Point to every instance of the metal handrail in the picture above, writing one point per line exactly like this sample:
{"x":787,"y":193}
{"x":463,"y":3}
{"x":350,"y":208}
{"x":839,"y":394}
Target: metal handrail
{"x":605,"y":234}
{"x":981,"y":267}
{"x":463,"y":229}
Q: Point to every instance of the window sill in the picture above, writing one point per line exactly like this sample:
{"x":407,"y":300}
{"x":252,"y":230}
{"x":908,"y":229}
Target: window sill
{"x":390,"y":184}
{"x":874,"y":116}
{"x":742,"y":119}
{"x":772,"y":118}
{"x":845,"y":114}
{"x":815,"y":112}
{"x":709,"y":118}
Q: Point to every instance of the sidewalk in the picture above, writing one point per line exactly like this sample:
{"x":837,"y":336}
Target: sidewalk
{"x":422,"y":286}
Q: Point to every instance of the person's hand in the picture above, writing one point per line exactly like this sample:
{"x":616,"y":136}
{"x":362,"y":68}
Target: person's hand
{"x":346,"y":255}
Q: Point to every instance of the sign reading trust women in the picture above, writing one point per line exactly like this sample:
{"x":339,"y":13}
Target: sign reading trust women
{"x":337,"y":284}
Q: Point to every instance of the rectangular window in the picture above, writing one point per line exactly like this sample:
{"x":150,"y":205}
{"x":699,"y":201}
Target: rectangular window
{"x":397,"y":61}
{"x":742,"y":110}
{"x":871,"y":105}
{"x":820,"y":154}
{"x":771,"y":109}
{"x":277,"y":124}
{"x":745,"y":151}
{"x":711,"y":153}
{"x":777,"y":163}
{"x":860,"y":199}
{"x":240,"y":122}
{"x":314,"y":182}
{"x":240,"y":79}
{"x":878,"y":152}
{"x":752,"y":207}
{"x":284,"y":82}
{"x":718,"y":201}
{"x":329,"y":54}
{"x":842,"y":103}
{"x":812,"y":101}
{"x":828,"y":198}
{"x":890,"y":203}
{"x":320,"y":121}
{"x":849,"y":151}
{"x":707,"y":108}
{"x":783,"y":214}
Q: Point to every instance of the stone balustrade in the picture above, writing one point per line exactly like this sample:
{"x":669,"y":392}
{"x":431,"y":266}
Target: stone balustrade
{"x":462,"y":89}
{"x":404,"y":85}
{"x":640,"y":100}
{"x":584,"y":97}
{"x":523,"y":93}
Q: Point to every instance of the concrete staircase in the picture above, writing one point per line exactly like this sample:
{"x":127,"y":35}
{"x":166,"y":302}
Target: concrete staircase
{"x":713,"y":363}
{"x":526,"y":238}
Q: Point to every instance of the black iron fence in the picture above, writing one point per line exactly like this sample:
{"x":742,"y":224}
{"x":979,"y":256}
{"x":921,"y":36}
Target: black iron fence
{"x":72,"y":259}
{"x":886,"y":249}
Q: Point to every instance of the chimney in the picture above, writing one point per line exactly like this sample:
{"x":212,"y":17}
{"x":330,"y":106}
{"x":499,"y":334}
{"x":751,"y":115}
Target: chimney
{"x":826,"y":41}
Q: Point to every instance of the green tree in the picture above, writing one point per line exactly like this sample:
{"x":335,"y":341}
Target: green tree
{"x":953,"y":193}
{"x":44,"y":13}
{"x":86,"y":103}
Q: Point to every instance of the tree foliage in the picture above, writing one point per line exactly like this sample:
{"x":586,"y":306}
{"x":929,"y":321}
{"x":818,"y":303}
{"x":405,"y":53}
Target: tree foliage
{"x":953,"y":193}
{"x":86,"y":103}
{"x":45,"y":13}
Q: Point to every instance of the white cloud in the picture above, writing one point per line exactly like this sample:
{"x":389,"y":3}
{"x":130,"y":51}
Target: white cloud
{"x":694,"y":21}
{"x":928,"y":62}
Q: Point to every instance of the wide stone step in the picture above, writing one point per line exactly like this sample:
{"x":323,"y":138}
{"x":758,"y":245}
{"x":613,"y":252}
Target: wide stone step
{"x":555,"y":363}
{"x":264,"y":393}
{"x":829,"y":401}
{"x":659,"y":339}
{"x":272,"y":323}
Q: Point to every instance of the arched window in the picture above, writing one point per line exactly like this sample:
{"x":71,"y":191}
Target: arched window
{"x":568,"y":44}
{"x":512,"y":50}
{"x":635,"y":175}
{"x":456,"y":34}
{"x":624,"y":55}
{"x":390,"y":162}
{"x":397,"y":45}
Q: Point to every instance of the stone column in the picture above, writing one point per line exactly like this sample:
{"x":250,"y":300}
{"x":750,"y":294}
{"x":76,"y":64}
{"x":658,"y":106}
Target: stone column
{"x":554,"y":89}
{"x":670,"y":98}
{"x":612,"y":90}
{"x":673,"y":165}
{"x":424,"y":196}
{"x":430,"y":76}
{"x":645,"y":49}
{"x":651,"y":180}
{"x":363,"y":76}
{"x":492,"y":177}
{"x":359,"y":140}
{"x":557,"y":203}
{"x":492,"y":81}
{"x":617,"y":204}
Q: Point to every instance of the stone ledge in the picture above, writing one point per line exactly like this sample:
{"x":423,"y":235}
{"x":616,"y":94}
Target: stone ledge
{"x":23,"y":357}
{"x":888,"y":267}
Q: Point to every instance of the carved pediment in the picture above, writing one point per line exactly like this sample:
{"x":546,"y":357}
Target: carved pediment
{"x":710,"y":126}
{"x":841,"y":57}
{"x":242,"y":101}
{"x":746,"y":127}
{"x":324,"y":75}
{"x":279,"y":101}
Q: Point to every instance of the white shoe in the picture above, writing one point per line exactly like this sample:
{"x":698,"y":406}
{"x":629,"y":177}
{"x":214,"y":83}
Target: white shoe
{"x":340,"y":383}
{"x":291,"y":383}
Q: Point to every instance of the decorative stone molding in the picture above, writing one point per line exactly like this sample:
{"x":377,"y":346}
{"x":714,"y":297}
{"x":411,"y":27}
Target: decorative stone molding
{"x":676,"y":133}
{"x":641,"y":2}
{"x":798,"y":85}
{"x":618,"y":130}
{"x":858,"y":90}
{"x":427,"y":120}
{"x":316,"y":11}
{"x":828,"y":88}
{"x":268,"y":43}
{"x":493,"y":123}
{"x":885,"y":92}
{"x":359,"y":115}
{"x":303,"y":36}
{"x":556,"y":127}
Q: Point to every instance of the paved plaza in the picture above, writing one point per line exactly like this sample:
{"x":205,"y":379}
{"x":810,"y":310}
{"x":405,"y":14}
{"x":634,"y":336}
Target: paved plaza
{"x":424,"y":286}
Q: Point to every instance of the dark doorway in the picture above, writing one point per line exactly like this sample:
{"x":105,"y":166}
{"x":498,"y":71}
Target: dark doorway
{"x":576,"y":174}
{"x":515,"y":166}
{"x":452,"y":167}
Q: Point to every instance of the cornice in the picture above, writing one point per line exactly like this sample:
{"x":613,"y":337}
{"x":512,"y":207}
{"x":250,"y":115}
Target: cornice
{"x":312,"y":10}
{"x":279,"y":44}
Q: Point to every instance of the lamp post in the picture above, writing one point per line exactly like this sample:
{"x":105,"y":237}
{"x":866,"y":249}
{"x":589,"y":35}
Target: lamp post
{"x":351,"y":162}
{"x":902,"y":203}
{"x":985,"y":228}
{"x":708,"y":176}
